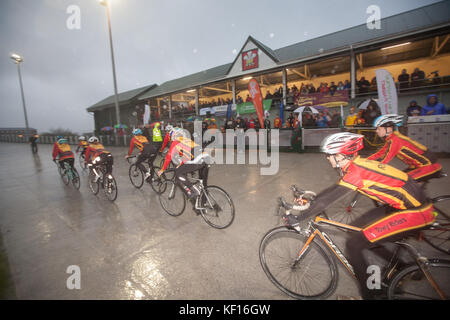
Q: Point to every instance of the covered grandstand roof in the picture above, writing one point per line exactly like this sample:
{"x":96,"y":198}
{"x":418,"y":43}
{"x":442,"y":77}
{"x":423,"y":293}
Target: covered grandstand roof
{"x":124,"y":98}
{"x":421,"y":20}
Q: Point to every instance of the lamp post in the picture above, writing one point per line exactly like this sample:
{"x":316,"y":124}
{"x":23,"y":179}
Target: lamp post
{"x":116,"y":97}
{"x":17,"y":60}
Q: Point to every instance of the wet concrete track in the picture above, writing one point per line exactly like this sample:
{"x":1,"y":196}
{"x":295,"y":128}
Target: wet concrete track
{"x":132,"y":249}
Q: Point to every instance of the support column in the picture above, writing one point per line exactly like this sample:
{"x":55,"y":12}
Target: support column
{"x":196,"y":102}
{"x":284,"y":76}
{"x":233,"y":90}
{"x":352,"y":75}
{"x":170,"y":107}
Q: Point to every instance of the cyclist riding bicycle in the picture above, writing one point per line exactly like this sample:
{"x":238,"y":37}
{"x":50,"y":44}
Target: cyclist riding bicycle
{"x":148,"y":151}
{"x":422,"y":163}
{"x":182,"y":149}
{"x":82,"y":144}
{"x":61,"y":150}
{"x":96,"y":151}
{"x":381,"y":182}
{"x":169,"y":130}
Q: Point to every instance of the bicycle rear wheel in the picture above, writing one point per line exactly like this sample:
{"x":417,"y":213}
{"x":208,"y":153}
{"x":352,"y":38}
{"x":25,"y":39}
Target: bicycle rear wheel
{"x":218,"y":208}
{"x":110,"y":186}
{"x":411,"y":283}
{"x":438,"y":236}
{"x":157,"y":182}
{"x":65,"y":174}
{"x":172,"y":198}
{"x":93,"y":185}
{"x":136,"y":176}
{"x":313,"y":276}
{"x":76,"y":179}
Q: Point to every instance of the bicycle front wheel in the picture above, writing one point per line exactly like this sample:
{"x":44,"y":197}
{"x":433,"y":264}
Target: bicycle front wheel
{"x":75,"y":179}
{"x":172,"y":198}
{"x":312,"y":276}
{"x":411,"y":283}
{"x":438,"y":236}
{"x":217,"y":207}
{"x":136,"y":176}
{"x":111,"y":189}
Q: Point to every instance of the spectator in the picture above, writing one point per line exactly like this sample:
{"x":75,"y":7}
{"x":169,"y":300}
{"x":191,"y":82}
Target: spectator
{"x":340,"y":86}
{"x":433,"y":106}
{"x":347,"y":85}
{"x":267,"y":123}
{"x":403,"y":80}
{"x":333,"y":88}
{"x":335,"y":119}
{"x":417,"y":78}
{"x":360,"y":118}
{"x":251,"y":123}
{"x":436,"y":78}
{"x":373,"y":84}
{"x":240,"y":124}
{"x":268,"y":95}
{"x":324,"y":88}
{"x":363,"y":85}
{"x":351,"y":118}
{"x":322,"y":120}
{"x":277,"y":122}
{"x":413,"y":109}
{"x":304,"y":89}
{"x":230,"y":124}
{"x":311,"y":88}
{"x":290,"y":120}
{"x":371,"y":113}
{"x":308,"y":120}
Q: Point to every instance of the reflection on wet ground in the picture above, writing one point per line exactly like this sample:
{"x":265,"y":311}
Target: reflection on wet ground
{"x":131,"y":249}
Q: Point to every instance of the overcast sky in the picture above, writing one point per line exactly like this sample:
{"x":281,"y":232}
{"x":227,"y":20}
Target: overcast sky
{"x":65,"y":71}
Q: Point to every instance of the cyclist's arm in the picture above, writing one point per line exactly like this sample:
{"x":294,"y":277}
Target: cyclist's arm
{"x":324,"y":199}
{"x":385,"y":154}
{"x":166,"y":140}
{"x":168,"y":158}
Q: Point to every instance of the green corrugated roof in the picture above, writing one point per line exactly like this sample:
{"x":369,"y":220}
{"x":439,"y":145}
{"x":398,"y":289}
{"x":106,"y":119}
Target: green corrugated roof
{"x":124,"y":97}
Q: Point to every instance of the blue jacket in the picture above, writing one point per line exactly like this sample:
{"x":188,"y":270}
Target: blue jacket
{"x":438,"y":107}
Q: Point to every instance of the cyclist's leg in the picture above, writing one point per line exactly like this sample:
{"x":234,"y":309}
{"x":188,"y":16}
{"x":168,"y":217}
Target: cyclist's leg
{"x":203,"y":173}
{"x":182,"y":180}
{"x":145,"y":154}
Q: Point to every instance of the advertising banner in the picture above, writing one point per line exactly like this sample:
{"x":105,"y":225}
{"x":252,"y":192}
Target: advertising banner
{"x":324,"y":99}
{"x":248,"y":107}
{"x":387,"y":92}
{"x":255,"y":94}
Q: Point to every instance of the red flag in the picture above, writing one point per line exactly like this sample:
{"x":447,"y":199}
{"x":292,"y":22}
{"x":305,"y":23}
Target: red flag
{"x":255,"y":93}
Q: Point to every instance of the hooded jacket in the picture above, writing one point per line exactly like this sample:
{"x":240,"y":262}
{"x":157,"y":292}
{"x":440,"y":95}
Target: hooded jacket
{"x":438,"y":107}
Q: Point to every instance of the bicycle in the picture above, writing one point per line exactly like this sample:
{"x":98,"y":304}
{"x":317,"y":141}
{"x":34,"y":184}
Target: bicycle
{"x":301,"y":262}
{"x":69,"y":174}
{"x":82,"y":161}
{"x":137,"y":175}
{"x":212,"y":202}
{"x":101,"y":179}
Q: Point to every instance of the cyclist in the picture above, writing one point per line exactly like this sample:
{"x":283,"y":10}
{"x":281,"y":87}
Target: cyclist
{"x":33,"y":142}
{"x":61,"y":149}
{"x":82,"y":144}
{"x":169,"y":130}
{"x":384,"y":183}
{"x":96,"y":151}
{"x":148,"y":151}
{"x":184,"y":148}
{"x":422,"y":163}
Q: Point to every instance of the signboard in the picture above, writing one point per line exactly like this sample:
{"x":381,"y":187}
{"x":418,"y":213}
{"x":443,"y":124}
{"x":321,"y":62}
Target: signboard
{"x":250,"y":59}
{"x":222,"y":110}
{"x":339,"y":98}
{"x":248,"y":107}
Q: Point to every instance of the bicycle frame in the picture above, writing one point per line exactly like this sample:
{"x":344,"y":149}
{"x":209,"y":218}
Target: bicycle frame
{"x":313,"y":230}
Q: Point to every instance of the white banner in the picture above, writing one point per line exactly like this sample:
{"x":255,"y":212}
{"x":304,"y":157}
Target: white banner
{"x":147,"y":114}
{"x":387,"y":92}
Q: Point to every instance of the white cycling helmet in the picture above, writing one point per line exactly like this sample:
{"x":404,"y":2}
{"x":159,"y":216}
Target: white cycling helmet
{"x":82,"y":138}
{"x":388,"y":120}
{"x":93,"y":139}
{"x":343,"y":142}
{"x":169,"y":127}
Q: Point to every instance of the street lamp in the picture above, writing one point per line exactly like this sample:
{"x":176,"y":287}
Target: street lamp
{"x":116,"y":97}
{"x":17,"y":60}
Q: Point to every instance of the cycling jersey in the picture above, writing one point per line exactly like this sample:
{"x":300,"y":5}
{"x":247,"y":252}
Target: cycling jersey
{"x":62,"y":150}
{"x":382,"y":183}
{"x":182,"y":147}
{"x":421,"y":162}
{"x":94,"y":150}
{"x":83,"y":145}
{"x":138,"y":142}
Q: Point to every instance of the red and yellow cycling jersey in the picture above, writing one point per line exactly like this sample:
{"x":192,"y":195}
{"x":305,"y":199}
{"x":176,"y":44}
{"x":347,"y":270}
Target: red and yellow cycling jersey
{"x":62,"y":150}
{"x":138,"y":142}
{"x":382,"y":183}
{"x":94,"y":150}
{"x":183,"y":147}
